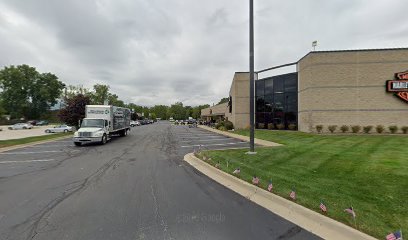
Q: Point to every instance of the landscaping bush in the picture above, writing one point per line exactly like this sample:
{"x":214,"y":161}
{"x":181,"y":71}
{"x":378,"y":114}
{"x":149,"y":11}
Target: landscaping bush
{"x":280,"y":126}
{"x":228,"y":125}
{"x":367,"y":129}
{"x":219,"y":125}
{"x":271,"y":126}
{"x":319,"y":128}
{"x":344,"y":128}
{"x":222,"y":128}
{"x":355,"y":128}
{"x":292,"y":126}
{"x":332,"y":128}
{"x":379,"y":128}
{"x":261,"y":125}
{"x":393,"y":129}
{"x":404,"y":129}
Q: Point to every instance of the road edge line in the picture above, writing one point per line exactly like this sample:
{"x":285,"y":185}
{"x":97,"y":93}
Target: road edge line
{"x":309,"y":220}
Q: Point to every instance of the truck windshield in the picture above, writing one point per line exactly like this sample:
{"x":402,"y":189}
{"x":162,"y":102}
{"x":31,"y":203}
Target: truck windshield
{"x":92,"y":123}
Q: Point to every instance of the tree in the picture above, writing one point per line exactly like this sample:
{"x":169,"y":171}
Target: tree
{"x":224,"y":100}
{"x":160,"y":111}
{"x":74,"y":109}
{"x":72,"y":91}
{"x":100,"y":94}
{"x":26,"y":92}
{"x":197,"y":110}
{"x":177,"y":111}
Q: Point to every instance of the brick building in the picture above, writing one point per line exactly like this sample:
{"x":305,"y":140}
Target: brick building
{"x":346,"y":87}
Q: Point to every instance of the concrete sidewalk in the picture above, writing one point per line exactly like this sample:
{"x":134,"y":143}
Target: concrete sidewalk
{"x":240,"y":137}
{"x":309,"y":220}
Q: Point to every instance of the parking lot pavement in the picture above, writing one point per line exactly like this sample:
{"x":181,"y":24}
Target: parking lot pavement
{"x":7,"y":134}
{"x":191,"y":139}
{"x":36,"y":157}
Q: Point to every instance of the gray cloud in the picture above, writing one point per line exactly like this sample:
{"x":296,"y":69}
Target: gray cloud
{"x":158,"y":52}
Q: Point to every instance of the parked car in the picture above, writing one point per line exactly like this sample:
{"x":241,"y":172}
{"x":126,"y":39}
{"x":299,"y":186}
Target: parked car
{"x":59,"y":128}
{"x":20,"y":126}
{"x":32,"y":122}
{"x":42,"y":123}
{"x":134,"y":123}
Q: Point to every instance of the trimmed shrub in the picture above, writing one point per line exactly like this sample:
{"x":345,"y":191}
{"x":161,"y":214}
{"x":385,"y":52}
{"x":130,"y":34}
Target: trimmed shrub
{"x":218,"y":125}
{"x":367,"y":129}
{"x":280,"y":126}
{"x":379,"y":128}
{"x":319,"y":128}
{"x":228,"y":125}
{"x":344,"y":128}
{"x":404,"y":129}
{"x":222,"y":128}
{"x":292,"y":126}
{"x":261,"y":125}
{"x":332,"y":128}
{"x":355,"y":128}
{"x":271,"y":126}
{"x":393,"y":129}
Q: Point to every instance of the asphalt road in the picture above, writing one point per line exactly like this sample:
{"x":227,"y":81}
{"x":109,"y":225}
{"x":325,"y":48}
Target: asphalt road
{"x":134,"y":187}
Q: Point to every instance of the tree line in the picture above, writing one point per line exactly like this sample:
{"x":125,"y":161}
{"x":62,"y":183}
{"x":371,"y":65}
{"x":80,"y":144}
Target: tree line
{"x":28,"y":94}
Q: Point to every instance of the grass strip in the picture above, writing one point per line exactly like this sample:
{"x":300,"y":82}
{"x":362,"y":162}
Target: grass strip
{"x":368,"y":172}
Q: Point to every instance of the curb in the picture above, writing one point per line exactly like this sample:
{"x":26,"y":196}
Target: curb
{"x":309,"y":220}
{"x":240,"y":137}
{"x":32,"y":144}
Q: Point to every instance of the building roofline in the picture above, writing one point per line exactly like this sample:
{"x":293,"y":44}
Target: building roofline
{"x":352,"y":50}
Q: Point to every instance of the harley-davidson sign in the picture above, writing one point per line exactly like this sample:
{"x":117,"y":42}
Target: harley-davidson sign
{"x":399,"y":86}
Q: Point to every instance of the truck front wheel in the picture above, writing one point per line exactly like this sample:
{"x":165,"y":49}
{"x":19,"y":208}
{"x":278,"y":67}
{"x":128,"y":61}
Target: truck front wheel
{"x":104,"y":139}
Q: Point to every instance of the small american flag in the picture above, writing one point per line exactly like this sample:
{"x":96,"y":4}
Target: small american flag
{"x":255,"y":180}
{"x":270,"y":186}
{"x":351,"y":211}
{"x":323,"y":207}
{"x":293,"y":194}
{"x":394,"y":236}
{"x":237,"y":171}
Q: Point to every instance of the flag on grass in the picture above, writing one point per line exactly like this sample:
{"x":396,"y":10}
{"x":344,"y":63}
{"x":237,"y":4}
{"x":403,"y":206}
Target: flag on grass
{"x":270,"y":186}
{"x":351,"y":211}
{"x":394,"y":236}
{"x":236,"y":171}
{"x":292,"y":194}
{"x":255,"y":180}
{"x":323,"y":206}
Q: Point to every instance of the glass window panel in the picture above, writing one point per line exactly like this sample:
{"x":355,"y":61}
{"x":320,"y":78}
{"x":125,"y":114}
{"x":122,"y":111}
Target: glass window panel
{"x":268,"y":86}
{"x":259,"y":88}
{"x":278,"y":85}
{"x":268,"y":104}
{"x":260,"y":104}
{"x":291,"y":83}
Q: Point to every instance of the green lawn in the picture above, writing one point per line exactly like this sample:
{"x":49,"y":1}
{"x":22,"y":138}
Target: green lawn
{"x":12,"y":142}
{"x":368,"y":172}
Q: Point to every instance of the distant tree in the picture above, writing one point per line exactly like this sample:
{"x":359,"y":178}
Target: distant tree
{"x":74,"y":109}
{"x":71,"y":91}
{"x":177,"y":111}
{"x":223,"y":100}
{"x":197,"y":110}
{"x":153,"y":116}
{"x":160,"y":111}
{"x":189,"y":111}
{"x":26,"y":92}
{"x":113,"y":99}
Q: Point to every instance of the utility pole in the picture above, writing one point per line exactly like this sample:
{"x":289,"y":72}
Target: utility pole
{"x":251,"y":78}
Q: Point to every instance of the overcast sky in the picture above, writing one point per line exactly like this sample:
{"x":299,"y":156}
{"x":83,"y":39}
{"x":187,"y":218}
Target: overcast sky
{"x":161,"y":51}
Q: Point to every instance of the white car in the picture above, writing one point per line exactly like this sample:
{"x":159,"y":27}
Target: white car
{"x":20,"y":126}
{"x":59,"y":128}
{"x":134,"y":123}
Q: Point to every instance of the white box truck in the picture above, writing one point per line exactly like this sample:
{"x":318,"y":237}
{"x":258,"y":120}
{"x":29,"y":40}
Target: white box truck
{"x":101,"y":122}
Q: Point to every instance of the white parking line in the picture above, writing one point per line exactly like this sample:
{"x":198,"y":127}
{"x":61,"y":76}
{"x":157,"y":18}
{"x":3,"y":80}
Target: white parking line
{"x":28,"y":161}
{"x":203,"y":137}
{"x":11,"y":153}
{"x":208,"y":140}
{"x":215,"y":144}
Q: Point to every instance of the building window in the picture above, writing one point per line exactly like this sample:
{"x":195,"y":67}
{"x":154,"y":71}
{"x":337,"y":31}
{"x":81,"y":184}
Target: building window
{"x":276,"y":101}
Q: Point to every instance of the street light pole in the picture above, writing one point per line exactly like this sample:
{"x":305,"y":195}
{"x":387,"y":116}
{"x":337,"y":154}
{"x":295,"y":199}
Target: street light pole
{"x":251,"y":77}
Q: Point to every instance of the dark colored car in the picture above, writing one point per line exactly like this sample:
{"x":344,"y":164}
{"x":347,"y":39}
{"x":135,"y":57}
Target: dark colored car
{"x":32,"y":122}
{"x":42,"y":123}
